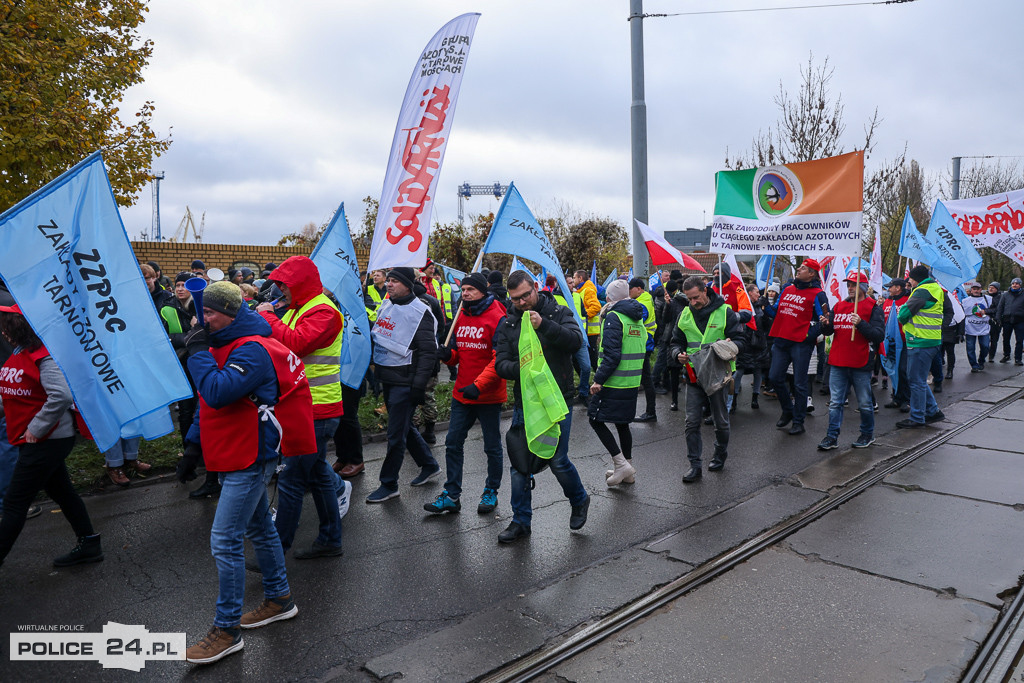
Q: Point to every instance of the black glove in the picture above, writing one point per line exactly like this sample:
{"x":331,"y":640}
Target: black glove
{"x":444,"y":354}
{"x":417,"y":397}
{"x":472,"y":392}
{"x":744,"y":317}
{"x":186,"y":469}
{"x":196,"y":340}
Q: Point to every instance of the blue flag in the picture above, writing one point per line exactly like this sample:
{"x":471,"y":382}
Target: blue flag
{"x":611,"y":276}
{"x":892,"y":346}
{"x":956,"y":260}
{"x":631,"y":272}
{"x":654,"y":280}
{"x":335,"y":258}
{"x":516,"y":231}
{"x":593,"y":273}
{"x":913,"y":244}
{"x":67,"y":261}
{"x":764,"y":270}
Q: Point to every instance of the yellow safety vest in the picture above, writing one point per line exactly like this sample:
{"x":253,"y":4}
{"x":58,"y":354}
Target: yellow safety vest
{"x":927,"y":323}
{"x":715,"y":331}
{"x":631,"y":362}
{"x":651,"y":323}
{"x":323,"y":366}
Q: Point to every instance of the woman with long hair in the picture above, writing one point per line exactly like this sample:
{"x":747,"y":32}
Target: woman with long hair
{"x":37,"y":401}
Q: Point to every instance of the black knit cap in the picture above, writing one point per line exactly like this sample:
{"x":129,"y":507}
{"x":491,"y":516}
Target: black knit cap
{"x":476,"y":281}
{"x":198,"y":264}
{"x":403,"y":274}
{"x":919,"y":273}
{"x":496,"y":277}
{"x":183,"y":276}
{"x":638,"y":282}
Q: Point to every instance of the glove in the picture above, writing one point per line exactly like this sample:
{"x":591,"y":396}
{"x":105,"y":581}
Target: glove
{"x":470,"y":391}
{"x":444,"y":354}
{"x":417,"y":396}
{"x":186,"y":468}
{"x":744,"y":317}
{"x":196,"y":340}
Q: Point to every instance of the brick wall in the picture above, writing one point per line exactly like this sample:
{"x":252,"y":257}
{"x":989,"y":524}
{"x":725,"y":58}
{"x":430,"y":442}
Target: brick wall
{"x":174,"y":257}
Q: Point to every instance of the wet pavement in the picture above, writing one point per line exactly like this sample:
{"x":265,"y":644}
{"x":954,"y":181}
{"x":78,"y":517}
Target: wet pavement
{"x":437,"y":597}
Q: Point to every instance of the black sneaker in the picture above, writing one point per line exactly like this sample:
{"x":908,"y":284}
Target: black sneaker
{"x":784,"y":420}
{"x":937,"y":417}
{"x":87,"y":550}
{"x":513,"y":532}
{"x":425,"y":475}
{"x":753,"y":403}
{"x":909,"y":424}
{"x":797,"y":428}
{"x":1004,"y":359}
{"x":863,"y":441}
{"x":579,"y":515}
{"x":318,"y":550}
{"x":646,"y":417}
{"x":33,"y":511}
{"x":207,"y":490}
{"x":693,"y":474}
{"x":828,"y":443}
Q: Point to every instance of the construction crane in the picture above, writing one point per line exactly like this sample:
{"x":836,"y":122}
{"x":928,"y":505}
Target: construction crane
{"x":187,"y":223}
{"x":466,"y":191}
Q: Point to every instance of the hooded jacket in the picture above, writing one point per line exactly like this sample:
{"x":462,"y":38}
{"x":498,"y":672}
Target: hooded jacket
{"x":473,"y":351}
{"x":318,"y":327}
{"x":560,"y":337}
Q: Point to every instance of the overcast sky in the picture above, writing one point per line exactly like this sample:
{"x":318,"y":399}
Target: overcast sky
{"x":279,"y":111}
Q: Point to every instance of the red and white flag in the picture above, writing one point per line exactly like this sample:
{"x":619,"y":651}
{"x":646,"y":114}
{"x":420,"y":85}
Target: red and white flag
{"x":424,"y":123}
{"x":662,"y":253}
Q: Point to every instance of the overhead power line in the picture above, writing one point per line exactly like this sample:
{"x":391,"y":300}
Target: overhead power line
{"x":769,"y":9}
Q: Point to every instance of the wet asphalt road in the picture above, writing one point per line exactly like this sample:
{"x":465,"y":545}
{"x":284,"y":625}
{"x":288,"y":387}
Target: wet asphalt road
{"x":405,"y":573}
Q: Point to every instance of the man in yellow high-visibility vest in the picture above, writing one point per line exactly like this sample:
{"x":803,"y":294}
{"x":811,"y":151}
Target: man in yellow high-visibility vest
{"x":311,"y":328}
{"x":921,"y":318}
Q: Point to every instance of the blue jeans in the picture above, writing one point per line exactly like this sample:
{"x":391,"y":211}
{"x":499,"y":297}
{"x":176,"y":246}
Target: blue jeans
{"x":311,"y":471}
{"x":784,"y":352}
{"x":582,"y":357}
{"x":463,"y":417}
{"x":737,"y":378}
{"x":8,"y":459}
{"x":243,"y":509}
{"x":124,"y":449}
{"x":401,"y":435}
{"x":840,"y":380}
{"x":982,"y":340}
{"x":919,"y":363}
{"x":935,"y":369}
{"x":564,"y":471}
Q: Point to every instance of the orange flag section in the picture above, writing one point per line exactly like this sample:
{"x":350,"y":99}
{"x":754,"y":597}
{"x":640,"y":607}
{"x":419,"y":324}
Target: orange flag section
{"x":832,"y":185}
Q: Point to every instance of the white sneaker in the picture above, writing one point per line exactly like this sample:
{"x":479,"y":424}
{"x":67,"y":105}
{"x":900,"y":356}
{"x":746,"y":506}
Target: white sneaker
{"x":344,"y":498}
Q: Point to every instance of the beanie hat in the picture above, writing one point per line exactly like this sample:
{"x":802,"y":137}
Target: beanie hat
{"x":637,"y":282}
{"x":671,"y":286}
{"x":676,"y":275}
{"x":616,"y":291}
{"x":404,"y":275}
{"x":246,"y":272}
{"x":198,"y":264}
{"x":774,"y":287}
{"x":223,"y":297}
{"x":994,"y":284}
{"x":154,"y":265}
{"x":270,"y":266}
{"x":919,"y":273}
{"x":1016,"y":281}
{"x":495,"y":277}
{"x":476,"y":281}
{"x":725,"y":270}
{"x":183,"y":276}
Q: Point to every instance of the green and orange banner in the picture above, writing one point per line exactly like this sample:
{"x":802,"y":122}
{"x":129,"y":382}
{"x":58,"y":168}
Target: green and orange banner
{"x":811,"y":208}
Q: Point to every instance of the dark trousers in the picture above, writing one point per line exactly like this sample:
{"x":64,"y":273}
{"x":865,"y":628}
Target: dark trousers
{"x":993,"y":339}
{"x":41,"y":467}
{"x":608,"y":441}
{"x":348,"y":439}
{"x":783,"y":353}
{"x":401,"y":435}
{"x":949,"y":351}
{"x":592,"y":343}
{"x":695,"y":400}
{"x":936,"y":368}
{"x":660,"y":373}
{"x":1017,"y":329}
{"x":648,"y":384}
{"x":902,"y":394}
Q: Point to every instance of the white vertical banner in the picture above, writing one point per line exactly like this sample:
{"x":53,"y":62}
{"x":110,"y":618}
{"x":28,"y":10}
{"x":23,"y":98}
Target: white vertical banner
{"x":417,"y":150}
{"x":875,"y":279}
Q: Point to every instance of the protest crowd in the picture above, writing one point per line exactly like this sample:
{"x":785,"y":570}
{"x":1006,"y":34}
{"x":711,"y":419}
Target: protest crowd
{"x":264,"y":366}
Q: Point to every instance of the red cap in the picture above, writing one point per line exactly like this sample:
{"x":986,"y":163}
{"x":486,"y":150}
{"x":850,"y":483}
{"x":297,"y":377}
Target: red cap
{"x":14,"y":308}
{"x":429,"y":263}
{"x":857,"y":277}
{"x":812,"y":264}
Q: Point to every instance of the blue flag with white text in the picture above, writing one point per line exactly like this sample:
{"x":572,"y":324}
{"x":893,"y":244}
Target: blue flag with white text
{"x":67,"y":261}
{"x":335,"y":258}
{"x":516,"y":231}
{"x":892,"y":348}
{"x":957,"y":261}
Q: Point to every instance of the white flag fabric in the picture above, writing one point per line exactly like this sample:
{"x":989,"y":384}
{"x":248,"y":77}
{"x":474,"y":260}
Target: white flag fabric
{"x":875,"y":281}
{"x":417,"y":151}
{"x":995,"y":221}
{"x":835,"y":286}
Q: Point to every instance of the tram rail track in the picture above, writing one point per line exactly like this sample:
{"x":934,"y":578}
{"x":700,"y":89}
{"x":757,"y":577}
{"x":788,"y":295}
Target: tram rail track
{"x":996,"y":653}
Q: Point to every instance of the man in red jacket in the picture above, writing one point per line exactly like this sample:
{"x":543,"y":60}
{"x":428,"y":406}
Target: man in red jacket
{"x":478,"y":394}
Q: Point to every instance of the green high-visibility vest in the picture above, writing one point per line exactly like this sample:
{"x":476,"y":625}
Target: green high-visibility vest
{"x":927,"y":323}
{"x":651,"y":323}
{"x":715,"y":331}
{"x":577,"y":301}
{"x":544,"y":406}
{"x":631,"y":363}
{"x":323,"y":366}
{"x":446,"y":302}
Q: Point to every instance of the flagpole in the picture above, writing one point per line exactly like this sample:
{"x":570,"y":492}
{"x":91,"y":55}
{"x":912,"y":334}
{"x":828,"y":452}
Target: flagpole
{"x":856,"y":292}
{"x":458,"y":311}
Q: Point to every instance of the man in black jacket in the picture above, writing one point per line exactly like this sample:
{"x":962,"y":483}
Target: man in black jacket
{"x":560,"y":336}
{"x":704,"y":318}
{"x":404,"y":353}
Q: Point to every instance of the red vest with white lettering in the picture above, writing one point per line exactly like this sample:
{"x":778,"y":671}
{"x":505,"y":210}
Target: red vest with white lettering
{"x":474,"y":355}
{"x":230,"y":435}
{"x":887,"y":308}
{"x":22,"y":392}
{"x":846,"y":353}
{"x":795,"y":313}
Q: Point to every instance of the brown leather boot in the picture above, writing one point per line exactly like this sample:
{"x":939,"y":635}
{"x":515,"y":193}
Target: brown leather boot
{"x":137,"y":467}
{"x":118,"y":476}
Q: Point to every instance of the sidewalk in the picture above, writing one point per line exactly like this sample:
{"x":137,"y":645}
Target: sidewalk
{"x":901,"y":583}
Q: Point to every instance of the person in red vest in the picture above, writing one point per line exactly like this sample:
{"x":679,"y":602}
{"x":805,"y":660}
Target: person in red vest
{"x":855,"y":324}
{"x":36,"y":400}
{"x":795,"y":333}
{"x":254,"y":406}
{"x":898,"y":295}
{"x":734,"y":293}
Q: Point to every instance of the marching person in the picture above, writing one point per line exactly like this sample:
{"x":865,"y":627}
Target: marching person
{"x":588,"y":290}
{"x":921,"y":317}
{"x":478,"y":394}
{"x":559,"y":336}
{"x":1011,"y":318}
{"x":580,"y":359}
{"x":35,"y":400}
{"x":993,"y":319}
{"x":620,"y":361}
{"x":311,"y":328}
{"x":254,"y":407}
{"x":706,"y":320}
{"x":404,"y":353}
{"x":639,"y":293}
{"x":850,"y":360}
{"x":978,"y":307}
{"x":898,"y":295}
{"x":794,"y":335}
